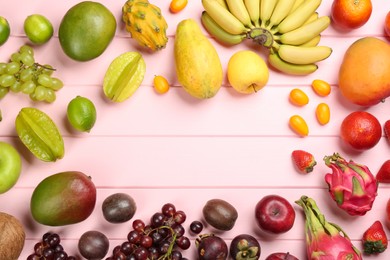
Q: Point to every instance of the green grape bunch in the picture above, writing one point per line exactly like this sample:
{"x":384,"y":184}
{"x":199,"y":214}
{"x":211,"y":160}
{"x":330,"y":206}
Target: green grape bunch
{"x":23,"y":74}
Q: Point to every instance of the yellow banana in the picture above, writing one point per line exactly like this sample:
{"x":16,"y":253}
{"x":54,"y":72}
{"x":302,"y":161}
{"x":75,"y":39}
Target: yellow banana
{"x":218,"y":33}
{"x":303,"y":55}
{"x":306,"y":32}
{"x":297,"y":18}
{"x":238,"y":9}
{"x":312,"y":17}
{"x":223,"y":3}
{"x":296,"y":4}
{"x":288,"y":68}
{"x":266,"y":9}
{"x":313,"y":42}
{"x":223,"y":17}
{"x":280,"y":12}
{"x":253,"y":8}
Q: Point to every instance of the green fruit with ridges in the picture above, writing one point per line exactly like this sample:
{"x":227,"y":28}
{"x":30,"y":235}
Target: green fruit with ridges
{"x":39,"y":134}
{"x":86,"y":30}
{"x":63,"y":198}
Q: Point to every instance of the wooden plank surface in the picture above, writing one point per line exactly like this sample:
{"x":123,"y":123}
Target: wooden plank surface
{"x":174,"y":148}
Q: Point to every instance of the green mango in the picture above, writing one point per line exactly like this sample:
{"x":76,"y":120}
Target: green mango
{"x":86,"y":30}
{"x":63,"y":198}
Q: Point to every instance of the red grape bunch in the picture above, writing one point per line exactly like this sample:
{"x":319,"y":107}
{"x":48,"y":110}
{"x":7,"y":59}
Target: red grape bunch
{"x":162,"y":238}
{"x":50,"y":248}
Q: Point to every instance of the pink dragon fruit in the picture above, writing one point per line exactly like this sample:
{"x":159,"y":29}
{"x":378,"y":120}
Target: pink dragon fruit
{"x":351,"y":185}
{"x":325,"y":240}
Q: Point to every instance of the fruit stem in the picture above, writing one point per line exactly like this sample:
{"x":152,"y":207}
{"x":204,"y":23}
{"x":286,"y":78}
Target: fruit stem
{"x":261,"y":36}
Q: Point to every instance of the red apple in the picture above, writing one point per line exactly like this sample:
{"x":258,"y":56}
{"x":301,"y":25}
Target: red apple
{"x":388,"y":214}
{"x":281,"y":256}
{"x":274,"y":214}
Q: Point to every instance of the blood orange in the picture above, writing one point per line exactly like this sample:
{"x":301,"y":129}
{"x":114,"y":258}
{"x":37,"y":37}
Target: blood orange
{"x":350,"y":14}
{"x":361,"y":130}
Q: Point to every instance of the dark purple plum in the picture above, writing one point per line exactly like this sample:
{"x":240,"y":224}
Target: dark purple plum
{"x":93,"y":245}
{"x":119,"y":208}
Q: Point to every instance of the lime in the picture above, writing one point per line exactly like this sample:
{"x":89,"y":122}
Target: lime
{"x":38,"y":29}
{"x":4,"y":30}
{"x":81,"y":113}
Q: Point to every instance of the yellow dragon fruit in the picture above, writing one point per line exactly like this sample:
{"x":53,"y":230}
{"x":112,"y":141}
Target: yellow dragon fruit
{"x":145,"y":23}
{"x":325,"y":240}
{"x":351,"y":185}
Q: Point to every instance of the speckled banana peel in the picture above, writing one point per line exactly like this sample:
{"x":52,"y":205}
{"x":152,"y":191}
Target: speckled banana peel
{"x":218,"y":33}
{"x":290,"y":29}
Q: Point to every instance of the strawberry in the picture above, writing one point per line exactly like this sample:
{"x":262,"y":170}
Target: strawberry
{"x":304,"y":161}
{"x":386,"y":129}
{"x":375,"y":239}
{"x":383,"y":175}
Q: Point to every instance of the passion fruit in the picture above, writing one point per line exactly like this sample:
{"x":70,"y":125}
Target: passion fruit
{"x":86,"y":30}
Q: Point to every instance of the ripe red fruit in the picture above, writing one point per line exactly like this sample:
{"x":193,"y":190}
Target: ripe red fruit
{"x":361,"y":130}
{"x":383,"y":175}
{"x":304,"y":161}
{"x":350,"y":14}
{"x":388,"y":214}
{"x":281,"y":256}
{"x":374,"y":239}
{"x":386,"y":129}
{"x":387,"y":24}
{"x":274,"y":214}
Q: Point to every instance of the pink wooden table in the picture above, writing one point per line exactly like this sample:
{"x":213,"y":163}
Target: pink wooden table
{"x":174,"y":148}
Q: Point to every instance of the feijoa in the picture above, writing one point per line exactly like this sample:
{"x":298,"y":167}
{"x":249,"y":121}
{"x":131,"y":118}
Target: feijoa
{"x":220,"y":214}
{"x":93,"y":245}
{"x":86,"y":30}
{"x":119,"y":208}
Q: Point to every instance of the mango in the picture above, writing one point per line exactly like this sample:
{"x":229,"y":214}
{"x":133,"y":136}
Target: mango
{"x":63,"y":198}
{"x":86,"y":30}
{"x":198,"y":66}
{"x":364,"y":74}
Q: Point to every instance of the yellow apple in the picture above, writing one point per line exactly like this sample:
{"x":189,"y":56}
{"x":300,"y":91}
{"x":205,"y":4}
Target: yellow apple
{"x":247,"y":72}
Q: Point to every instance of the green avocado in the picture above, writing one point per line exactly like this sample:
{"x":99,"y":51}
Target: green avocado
{"x":86,"y":30}
{"x":63,"y":198}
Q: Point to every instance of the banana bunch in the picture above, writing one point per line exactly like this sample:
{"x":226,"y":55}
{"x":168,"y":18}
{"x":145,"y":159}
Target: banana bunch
{"x":291,"y":29}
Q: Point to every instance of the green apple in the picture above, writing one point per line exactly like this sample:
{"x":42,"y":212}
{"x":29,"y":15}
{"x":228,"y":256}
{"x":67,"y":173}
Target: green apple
{"x":10,"y":166}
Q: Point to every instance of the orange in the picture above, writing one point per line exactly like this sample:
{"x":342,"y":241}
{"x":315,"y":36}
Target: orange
{"x":387,"y":24}
{"x":361,"y":130}
{"x":350,"y":14}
